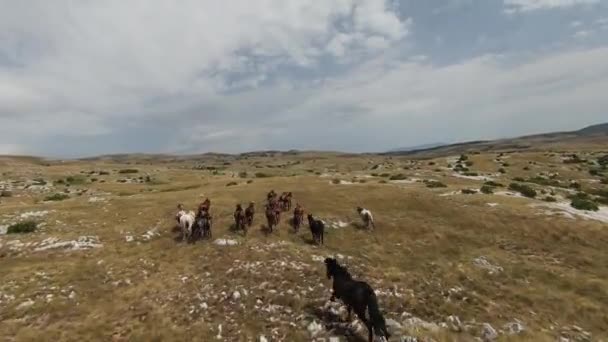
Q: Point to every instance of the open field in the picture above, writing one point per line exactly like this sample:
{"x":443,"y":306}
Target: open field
{"x":104,"y":263}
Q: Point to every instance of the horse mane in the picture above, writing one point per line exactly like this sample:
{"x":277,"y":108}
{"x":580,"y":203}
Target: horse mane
{"x":338,"y":270}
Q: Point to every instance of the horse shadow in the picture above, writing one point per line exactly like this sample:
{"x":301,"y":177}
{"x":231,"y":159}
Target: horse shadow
{"x":333,"y":323}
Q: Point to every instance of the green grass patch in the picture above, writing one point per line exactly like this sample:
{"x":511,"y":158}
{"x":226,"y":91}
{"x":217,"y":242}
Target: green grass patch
{"x":56,"y":197}
{"x":523,"y":189}
{"x":584,"y":204}
{"x":486,"y":189}
{"x":123,"y":171}
{"x":434,"y":184}
{"x":22,"y":227}
{"x":399,"y":176}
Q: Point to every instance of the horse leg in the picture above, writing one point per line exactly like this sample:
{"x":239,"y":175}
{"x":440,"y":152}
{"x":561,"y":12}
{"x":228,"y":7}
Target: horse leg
{"x":361,"y":314}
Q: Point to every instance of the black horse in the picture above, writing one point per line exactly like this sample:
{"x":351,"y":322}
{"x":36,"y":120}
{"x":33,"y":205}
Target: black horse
{"x":203,"y":226}
{"x":357,"y":296}
{"x":317,"y":228}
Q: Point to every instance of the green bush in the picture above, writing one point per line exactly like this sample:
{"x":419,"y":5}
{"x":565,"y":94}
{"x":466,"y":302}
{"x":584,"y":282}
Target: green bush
{"x":584,"y":204}
{"x":261,"y":175}
{"x":398,"y":177}
{"x":486,"y":189}
{"x":468,"y":163}
{"x":22,"y":227}
{"x":335,"y":181}
{"x":232,"y":184}
{"x":544,"y":181}
{"x":128,"y":171}
{"x":526,"y":168}
{"x":75,"y":180}
{"x":103,"y":173}
{"x":519,"y":179}
{"x":549,"y":199}
{"x":382,"y":181}
{"x":243,"y":174}
{"x":493,"y":183}
{"x":575,"y":185}
{"x":463,"y":157}
{"x":431,"y":163}
{"x":362,"y":181}
{"x":56,"y":197}
{"x":472,"y":174}
{"x":502,"y":170}
{"x":39,"y":181}
{"x":434,"y":184}
{"x":523,"y":189}
{"x":506,"y":164}
{"x":385,"y":175}
{"x":468,"y":191}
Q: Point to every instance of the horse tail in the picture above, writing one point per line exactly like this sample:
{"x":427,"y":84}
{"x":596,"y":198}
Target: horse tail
{"x":375,"y":316}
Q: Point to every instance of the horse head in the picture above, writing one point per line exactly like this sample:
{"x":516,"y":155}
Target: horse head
{"x":330,"y":265}
{"x":310,"y":218}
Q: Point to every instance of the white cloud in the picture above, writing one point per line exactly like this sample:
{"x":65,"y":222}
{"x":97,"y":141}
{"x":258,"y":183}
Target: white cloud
{"x":531,"y":5}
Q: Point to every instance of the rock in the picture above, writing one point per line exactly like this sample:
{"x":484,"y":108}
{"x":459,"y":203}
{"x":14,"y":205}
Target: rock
{"x":513,"y":328}
{"x":236,"y":295}
{"x":314,"y":328}
{"x":25,"y":304}
{"x":488,"y":333}
{"x":204,"y":306}
{"x":393,"y":325}
{"x":225,"y":242}
{"x":262,"y":338}
{"x":483,"y":263}
{"x":129,"y":238}
{"x":3,"y":229}
{"x":454,"y":323}
{"x":334,"y":339}
{"x":72,"y":295}
{"x":408,"y":339}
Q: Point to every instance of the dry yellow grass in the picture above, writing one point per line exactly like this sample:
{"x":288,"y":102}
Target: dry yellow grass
{"x":554,"y":269}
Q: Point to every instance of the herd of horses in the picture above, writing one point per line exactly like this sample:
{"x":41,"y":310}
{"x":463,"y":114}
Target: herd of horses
{"x":358,"y":296}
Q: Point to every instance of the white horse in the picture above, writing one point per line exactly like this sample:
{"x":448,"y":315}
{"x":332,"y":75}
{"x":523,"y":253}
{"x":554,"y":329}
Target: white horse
{"x":186,"y":221}
{"x":367,"y":217}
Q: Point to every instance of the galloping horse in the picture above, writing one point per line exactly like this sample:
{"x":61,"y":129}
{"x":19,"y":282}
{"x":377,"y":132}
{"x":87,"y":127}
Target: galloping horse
{"x":317,"y":228}
{"x":204,"y":222}
{"x":249,"y":212}
{"x":298,"y":217}
{"x":239,"y":219}
{"x":358,"y":296}
{"x":271,"y":217}
{"x":186,"y":221}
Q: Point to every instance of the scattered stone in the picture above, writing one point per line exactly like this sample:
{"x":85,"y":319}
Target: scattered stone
{"x":262,"y":338}
{"x":25,"y":304}
{"x":314,"y":328}
{"x":3,"y":229}
{"x":482,"y":262}
{"x":129,"y":238}
{"x":225,"y":242}
{"x":488,"y":333}
{"x":236,"y":295}
{"x":408,"y":339}
{"x":393,"y":325}
{"x":513,"y":328}
{"x":454,"y":323}
{"x":83,"y":242}
{"x":72,"y":295}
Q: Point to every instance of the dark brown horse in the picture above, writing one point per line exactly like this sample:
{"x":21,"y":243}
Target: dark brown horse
{"x":239,"y":219}
{"x":298,"y":217}
{"x":271,"y":218}
{"x":249,"y":212}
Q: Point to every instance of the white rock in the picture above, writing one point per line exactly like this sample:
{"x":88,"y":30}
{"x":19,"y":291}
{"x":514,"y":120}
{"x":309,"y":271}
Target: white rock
{"x":72,"y":295}
{"x":488,"y":333}
{"x":3,"y":229}
{"x":314,"y":328}
{"x":454,"y":323}
{"x":236,"y":295}
{"x":225,"y":242}
{"x":334,"y":339}
{"x":262,"y":338}
{"x":392,"y":324}
{"x":129,"y":238}
{"x":482,"y":262}
{"x":408,"y":339}
{"x":514,"y":328}
{"x":25,"y":304}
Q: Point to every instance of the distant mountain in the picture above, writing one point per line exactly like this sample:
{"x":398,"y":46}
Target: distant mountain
{"x":417,"y":147}
{"x":595,"y":136}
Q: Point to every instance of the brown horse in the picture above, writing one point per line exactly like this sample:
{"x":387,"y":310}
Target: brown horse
{"x":287,"y":201}
{"x":249,"y":212}
{"x":271,"y":217}
{"x":298,"y":217}
{"x":239,"y":219}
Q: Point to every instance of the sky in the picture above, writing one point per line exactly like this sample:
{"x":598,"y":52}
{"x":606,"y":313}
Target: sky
{"x":90,"y":77}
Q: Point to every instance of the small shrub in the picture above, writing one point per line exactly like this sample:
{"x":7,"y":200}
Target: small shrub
{"x":6,"y":193}
{"x":463,"y":157}
{"x":486,"y":189}
{"x":250,"y":181}
{"x":382,"y":181}
{"x":335,"y":181}
{"x":103,"y":173}
{"x":575,"y":185}
{"x":128,"y":171}
{"x":435,"y":184}
{"x":549,"y":199}
{"x":523,"y":189}
{"x":472,"y":174}
{"x":362,"y":181}
{"x":502,"y":170}
{"x":22,"y":227}
{"x":398,"y":177}
{"x":61,"y":181}
{"x":506,"y":164}
{"x":468,"y":191}
{"x":39,"y":181}
{"x":75,"y":180}
{"x":385,"y":175}
{"x":468,"y":163}
{"x":374,"y":174}
{"x":584,"y":204}
{"x":519,"y":179}
{"x":594,"y":172}
{"x":431,"y":163}
{"x":148,"y":179}
{"x":56,"y":197}
{"x":526,"y":168}
{"x":94,"y":180}
{"x":232,"y":184}
{"x":261,"y":175}
{"x":493,"y":183}
{"x":243,"y":174}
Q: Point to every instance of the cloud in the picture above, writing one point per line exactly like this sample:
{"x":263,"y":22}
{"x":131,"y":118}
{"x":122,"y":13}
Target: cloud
{"x":532,"y":5}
